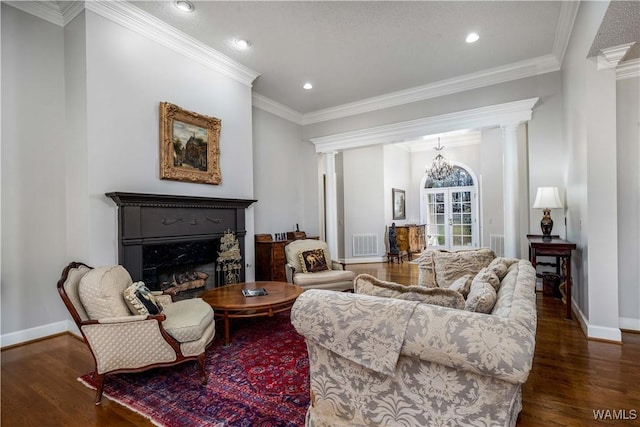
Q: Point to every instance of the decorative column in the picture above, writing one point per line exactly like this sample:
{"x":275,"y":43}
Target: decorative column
{"x":510,"y":180}
{"x":331,"y":203}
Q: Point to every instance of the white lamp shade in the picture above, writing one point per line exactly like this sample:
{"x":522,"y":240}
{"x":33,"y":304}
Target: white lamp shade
{"x":547,"y":198}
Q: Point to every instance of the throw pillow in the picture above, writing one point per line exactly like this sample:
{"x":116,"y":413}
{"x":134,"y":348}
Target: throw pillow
{"x":448,"y":266}
{"x":369,"y":285}
{"x":487,"y":275}
{"x":462,"y":285}
{"x":313,"y":261}
{"x":482,"y":297}
{"x":500,"y":266}
{"x":140,"y":299}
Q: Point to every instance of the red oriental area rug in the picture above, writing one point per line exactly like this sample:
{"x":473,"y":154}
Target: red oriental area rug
{"x":261,"y":379}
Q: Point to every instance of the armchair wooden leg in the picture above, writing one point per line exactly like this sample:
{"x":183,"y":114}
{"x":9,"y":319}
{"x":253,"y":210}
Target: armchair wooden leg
{"x":203,"y":372}
{"x":99,"y":387}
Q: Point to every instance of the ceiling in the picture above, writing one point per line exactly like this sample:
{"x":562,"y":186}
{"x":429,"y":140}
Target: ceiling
{"x":356,"y":50}
{"x":365,"y":55}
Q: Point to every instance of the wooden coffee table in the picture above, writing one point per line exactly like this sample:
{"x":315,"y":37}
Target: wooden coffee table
{"x":229,"y":303}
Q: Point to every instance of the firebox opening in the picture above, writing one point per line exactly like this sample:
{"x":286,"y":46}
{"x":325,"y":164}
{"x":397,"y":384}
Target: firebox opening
{"x":188,"y":268}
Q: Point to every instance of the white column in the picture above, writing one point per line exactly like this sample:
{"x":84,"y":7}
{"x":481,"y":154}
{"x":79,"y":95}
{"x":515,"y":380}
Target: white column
{"x":331,"y":203}
{"x":510,"y":179}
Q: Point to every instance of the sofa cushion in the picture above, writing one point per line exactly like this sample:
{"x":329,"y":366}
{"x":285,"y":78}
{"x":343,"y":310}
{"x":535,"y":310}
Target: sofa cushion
{"x":140,"y":299}
{"x":487,"y":275}
{"x":426,"y":272}
{"x":323,"y":277}
{"x":292,"y":251}
{"x":101,"y":292}
{"x":369,"y":285}
{"x":482,"y":296}
{"x":313,"y":260}
{"x":448,"y":266}
{"x":500,"y":265}
{"x":506,"y":291}
{"x":462,"y":284}
{"x":187,"y":319}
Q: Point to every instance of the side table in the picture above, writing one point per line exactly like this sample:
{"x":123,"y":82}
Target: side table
{"x":554,"y":247}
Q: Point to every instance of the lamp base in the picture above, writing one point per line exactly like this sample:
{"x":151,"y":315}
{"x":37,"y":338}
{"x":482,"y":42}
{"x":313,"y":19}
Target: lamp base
{"x":546,"y":224}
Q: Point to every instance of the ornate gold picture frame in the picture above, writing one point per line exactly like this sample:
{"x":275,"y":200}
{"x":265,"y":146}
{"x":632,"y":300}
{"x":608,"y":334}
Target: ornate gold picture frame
{"x":189,"y":146}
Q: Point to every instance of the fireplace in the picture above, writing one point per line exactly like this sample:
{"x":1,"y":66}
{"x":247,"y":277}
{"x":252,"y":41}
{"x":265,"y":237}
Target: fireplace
{"x":172,"y":242}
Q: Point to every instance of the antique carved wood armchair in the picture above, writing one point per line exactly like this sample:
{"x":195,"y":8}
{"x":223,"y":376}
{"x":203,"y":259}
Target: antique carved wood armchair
{"x":122,"y":342}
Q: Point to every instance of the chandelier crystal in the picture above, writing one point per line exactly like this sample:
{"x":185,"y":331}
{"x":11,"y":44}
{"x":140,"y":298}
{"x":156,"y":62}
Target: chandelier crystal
{"x":440,"y":168}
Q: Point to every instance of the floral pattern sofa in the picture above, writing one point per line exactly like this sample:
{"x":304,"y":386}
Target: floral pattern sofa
{"x":379,"y":361}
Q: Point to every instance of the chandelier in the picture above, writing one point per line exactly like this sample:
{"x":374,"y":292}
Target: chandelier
{"x":440,"y":168}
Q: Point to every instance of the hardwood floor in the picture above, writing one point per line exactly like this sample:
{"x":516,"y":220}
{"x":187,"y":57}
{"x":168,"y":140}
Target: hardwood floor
{"x":571,"y":376}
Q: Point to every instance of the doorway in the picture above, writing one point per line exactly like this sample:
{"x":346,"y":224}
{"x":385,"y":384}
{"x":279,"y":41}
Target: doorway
{"x":449,"y":210}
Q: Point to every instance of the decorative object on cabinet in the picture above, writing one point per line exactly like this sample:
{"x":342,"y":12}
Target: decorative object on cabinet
{"x":399,"y":204}
{"x":411,"y":239}
{"x":189,"y":146}
{"x":547,"y":198}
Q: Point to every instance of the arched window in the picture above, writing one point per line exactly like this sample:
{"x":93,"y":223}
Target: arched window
{"x":458,"y":178}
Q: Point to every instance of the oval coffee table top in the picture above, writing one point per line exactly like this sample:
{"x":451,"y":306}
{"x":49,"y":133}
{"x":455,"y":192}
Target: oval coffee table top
{"x":230,"y":297}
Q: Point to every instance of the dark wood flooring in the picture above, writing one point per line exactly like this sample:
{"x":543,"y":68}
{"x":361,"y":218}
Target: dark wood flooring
{"x":571,"y":375}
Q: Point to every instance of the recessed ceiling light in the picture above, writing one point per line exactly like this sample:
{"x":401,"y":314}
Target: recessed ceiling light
{"x":185,"y":5}
{"x":307,"y":86}
{"x":472,"y":37}
{"x":242,"y":44}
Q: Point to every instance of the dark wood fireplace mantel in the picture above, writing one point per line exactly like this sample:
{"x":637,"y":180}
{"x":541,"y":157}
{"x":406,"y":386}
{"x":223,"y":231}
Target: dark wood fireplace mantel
{"x":154,"y":219}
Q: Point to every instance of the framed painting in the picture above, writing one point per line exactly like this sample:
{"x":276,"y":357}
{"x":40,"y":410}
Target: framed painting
{"x":399,"y":206}
{"x":189,"y":146}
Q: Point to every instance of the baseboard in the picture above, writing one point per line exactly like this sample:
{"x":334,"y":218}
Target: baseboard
{"x":364,"y":260}
{"x":39,"y":332}
{"x":629,"y":324}
{"x":594,"y":332}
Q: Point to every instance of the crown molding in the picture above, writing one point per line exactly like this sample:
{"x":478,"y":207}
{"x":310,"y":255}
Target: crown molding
{"x":610,"y":57}
{"x":494,"y":115}
{"x":515,"y":71}
{"x":47,"y":10}
{"x":568,"y":13}
{"x":268,"y":104}
{"x":134,"y":19}
{"x":70,"y":11}
{"x":628,"y":69}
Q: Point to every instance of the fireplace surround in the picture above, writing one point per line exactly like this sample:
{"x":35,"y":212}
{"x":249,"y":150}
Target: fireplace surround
{"x":161,"y":237}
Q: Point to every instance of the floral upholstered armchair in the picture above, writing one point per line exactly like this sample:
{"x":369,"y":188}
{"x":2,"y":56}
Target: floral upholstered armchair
{"x":310,"y":266}
{"x":160,"y":333}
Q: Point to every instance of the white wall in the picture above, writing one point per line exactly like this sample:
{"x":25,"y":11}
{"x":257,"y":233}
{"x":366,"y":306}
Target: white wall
{"x":628,"y":159}
{"x":397,"y":174}
{"x":491,"y":199}
{"x":285,"y":176}
{"x":590,"y":129}
{"x":33,"y":178}
{"x":364,"y":207}
{"x":109,"y":82}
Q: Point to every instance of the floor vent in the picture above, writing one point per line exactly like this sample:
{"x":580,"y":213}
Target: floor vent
{"x":365,"y":244}
{"x":497,"y":244}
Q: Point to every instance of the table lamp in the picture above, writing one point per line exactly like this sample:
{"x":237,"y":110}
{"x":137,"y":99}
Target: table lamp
{"x":547,"y":198}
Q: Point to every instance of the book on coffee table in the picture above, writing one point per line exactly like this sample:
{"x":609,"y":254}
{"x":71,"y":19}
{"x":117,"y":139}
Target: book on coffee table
{"x":254,"y":292}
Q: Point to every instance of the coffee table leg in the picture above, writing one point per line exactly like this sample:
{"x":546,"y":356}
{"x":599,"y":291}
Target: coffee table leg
{"x":226,"y":329}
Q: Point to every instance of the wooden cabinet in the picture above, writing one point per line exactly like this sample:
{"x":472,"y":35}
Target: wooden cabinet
{"x":270,"y":258}
{"x":411,"y":238}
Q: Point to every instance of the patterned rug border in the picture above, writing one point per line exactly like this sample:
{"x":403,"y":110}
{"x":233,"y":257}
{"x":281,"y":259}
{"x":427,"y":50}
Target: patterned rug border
{"x":120,"y":402}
